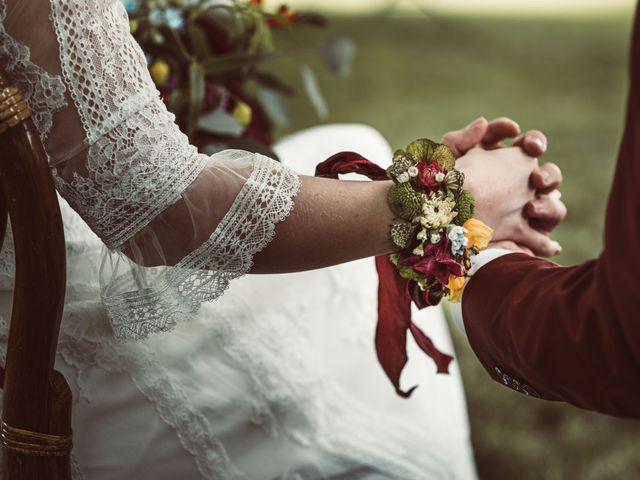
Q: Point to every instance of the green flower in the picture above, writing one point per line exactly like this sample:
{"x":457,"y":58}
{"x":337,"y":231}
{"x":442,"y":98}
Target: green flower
{"x":404,"y":201}
{"x":466,"y":207}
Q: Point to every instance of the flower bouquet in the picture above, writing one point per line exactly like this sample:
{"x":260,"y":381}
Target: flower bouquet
{"x":206,"y":58}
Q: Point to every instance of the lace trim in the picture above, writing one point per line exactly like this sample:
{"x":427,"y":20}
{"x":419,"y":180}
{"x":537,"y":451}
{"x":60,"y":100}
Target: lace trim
{"x":137,"y":170}
{"x":43,"y":92}
{"x":265,"y":199}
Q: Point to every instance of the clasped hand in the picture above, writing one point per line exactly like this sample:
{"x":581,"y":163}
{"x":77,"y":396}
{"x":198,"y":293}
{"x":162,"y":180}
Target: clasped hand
{"x":514,"y":195}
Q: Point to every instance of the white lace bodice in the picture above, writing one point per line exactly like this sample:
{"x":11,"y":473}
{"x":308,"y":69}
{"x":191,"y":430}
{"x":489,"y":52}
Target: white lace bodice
{"x":125,"y":162}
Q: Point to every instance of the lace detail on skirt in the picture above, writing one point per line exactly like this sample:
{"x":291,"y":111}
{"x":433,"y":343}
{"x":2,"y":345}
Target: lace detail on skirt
{"x":192,"y":428}
{"x":265,"y":199}
{"x":84,"y":346}
{"x":43,"y":92}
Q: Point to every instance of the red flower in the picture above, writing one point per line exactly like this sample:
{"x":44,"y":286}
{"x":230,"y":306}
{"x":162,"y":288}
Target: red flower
{"x":420,"y":297}
{"x":427,"y":172}
{"x":436,"y":262}
{"x":283,"y":12}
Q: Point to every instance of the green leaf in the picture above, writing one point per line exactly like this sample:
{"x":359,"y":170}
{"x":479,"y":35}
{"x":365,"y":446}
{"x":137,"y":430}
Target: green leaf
{"x":271,"y":100}
{"x":197,"y":88}
{"x":272,"y":82}
{"x":257,"y":38}
{"x":228,"y":63}
{"x":220,"y":123}
{"x":177,"y":102}
{"x":199,"y":42}
{"x":338,"y":53}
{"x":312,"y":89}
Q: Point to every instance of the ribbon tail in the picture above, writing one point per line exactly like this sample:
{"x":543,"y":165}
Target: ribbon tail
{"x":350,"y":162}
{"x":394,"y":318}
{"x":442,"y":360}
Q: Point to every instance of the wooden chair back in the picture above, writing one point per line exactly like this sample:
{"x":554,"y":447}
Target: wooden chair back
{"x":36,"y":417}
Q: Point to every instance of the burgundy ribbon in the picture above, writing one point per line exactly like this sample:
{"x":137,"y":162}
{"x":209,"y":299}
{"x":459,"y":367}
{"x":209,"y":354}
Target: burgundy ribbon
{"x":394,"y":297}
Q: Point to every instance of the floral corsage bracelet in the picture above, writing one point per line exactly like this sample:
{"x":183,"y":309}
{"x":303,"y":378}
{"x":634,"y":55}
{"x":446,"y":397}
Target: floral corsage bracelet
{"x":437,"y":234}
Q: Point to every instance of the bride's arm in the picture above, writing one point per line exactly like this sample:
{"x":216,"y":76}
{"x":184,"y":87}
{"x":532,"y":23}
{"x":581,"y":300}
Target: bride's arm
{"x":121,"y":162}
{"x":124,"y":166}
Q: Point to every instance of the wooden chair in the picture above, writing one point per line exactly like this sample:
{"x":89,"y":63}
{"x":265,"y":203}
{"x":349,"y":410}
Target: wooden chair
{"x":36,"y":416}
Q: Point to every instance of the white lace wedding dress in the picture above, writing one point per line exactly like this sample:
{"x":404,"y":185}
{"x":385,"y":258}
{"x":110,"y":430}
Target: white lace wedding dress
{"x":176,"y":373}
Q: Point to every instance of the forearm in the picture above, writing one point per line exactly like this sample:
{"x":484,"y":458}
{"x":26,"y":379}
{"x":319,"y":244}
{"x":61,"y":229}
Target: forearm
{"x":332,"y":222}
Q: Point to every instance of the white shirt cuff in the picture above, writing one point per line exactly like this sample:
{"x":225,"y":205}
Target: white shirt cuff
{"x":479,"y":261}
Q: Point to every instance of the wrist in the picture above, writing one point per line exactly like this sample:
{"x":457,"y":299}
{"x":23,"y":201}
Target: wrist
{"x":433,"y":225}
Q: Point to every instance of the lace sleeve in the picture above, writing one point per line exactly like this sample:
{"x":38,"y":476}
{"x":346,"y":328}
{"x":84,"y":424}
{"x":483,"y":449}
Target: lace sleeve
{"x":119,"y":159}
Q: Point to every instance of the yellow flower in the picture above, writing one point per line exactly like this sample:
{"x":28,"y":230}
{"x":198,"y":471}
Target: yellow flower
{"x":242,"y":113}
{"x":478,"y":234}
{"x":456,"y":285}
{"x":160,"y":72}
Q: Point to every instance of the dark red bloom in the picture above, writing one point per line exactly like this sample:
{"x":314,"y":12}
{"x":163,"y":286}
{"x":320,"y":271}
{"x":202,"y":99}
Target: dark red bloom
{"x":437,"y":261}
{"x":283,"y":13}
{"x":420,"y":297}
{"x":427,"y":172}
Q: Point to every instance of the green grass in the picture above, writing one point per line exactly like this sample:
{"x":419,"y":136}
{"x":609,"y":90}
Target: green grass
{"x":424,"y":76}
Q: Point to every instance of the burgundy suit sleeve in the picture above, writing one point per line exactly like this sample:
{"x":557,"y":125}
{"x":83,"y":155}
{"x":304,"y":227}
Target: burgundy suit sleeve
{"x":571,"y":334}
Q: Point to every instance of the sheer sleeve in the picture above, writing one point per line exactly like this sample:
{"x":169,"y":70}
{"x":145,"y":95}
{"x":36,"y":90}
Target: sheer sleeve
{"x":178,"y":226}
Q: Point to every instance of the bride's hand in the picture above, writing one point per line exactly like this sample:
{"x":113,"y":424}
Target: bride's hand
{"x":545,"y":210}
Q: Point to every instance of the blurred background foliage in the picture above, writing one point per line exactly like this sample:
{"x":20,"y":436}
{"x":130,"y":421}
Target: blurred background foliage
{"x":207,"y":58}
{"x":422,"y":75}
{"x":421,"y":72}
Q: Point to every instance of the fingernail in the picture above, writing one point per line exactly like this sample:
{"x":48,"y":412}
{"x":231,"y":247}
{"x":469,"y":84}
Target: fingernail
{"x":540,"y":143}
{"x":545,"y":176}
{"x":556,"y":195}
{"x":557,"y":247}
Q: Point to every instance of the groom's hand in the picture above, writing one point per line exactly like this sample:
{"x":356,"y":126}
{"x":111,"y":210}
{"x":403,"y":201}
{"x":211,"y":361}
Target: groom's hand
{"x":545,"y":210}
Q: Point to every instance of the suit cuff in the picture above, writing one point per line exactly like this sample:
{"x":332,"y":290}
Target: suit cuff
{"x":479,"y":261}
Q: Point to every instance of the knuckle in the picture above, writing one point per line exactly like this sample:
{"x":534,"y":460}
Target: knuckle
{"x":520,"y":229}
{"x":536,"y":133}
{"x":449,"y":138}
{"x":502,"y":119}
{"x":562,"y":208}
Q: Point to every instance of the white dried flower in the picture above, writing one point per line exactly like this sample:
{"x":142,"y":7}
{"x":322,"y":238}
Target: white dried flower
{"x":437,"y":212}
{"x":413,"y":171}
{"x":419,"y":250}
{"x":440,"y":177}
{"x":422,"y":234}
{"x":435,"y":237}
{"x":403,"y":177}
